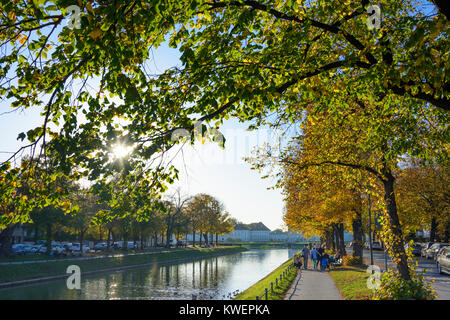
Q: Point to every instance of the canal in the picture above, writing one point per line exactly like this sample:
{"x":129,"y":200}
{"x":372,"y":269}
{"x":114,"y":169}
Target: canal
{"x":212,"y":278}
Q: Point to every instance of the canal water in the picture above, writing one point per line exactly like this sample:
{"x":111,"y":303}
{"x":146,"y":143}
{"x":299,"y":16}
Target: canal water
{"x":213,"y":278}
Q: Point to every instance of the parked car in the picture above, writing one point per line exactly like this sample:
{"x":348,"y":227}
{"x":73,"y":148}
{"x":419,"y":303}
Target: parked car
{"x":59,"y":250}
{"x":101,"y":246}
{"x":425,"y":247}
{"x":431,"y":253}
{"x":120,"y":245}
{"x":375,"y":245}
{"x":18,"y":249}
{"x":35,"y":249}
{"x":132,"y":245}
{"x":42,"y":249}
{"x":28,"y":249}
{"x":66,"y":245}
{"x":443,"y":260}
{"x":75,"y":249}
{"x":416,"y":249}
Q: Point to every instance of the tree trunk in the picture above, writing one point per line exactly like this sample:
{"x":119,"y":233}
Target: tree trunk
{"x":335,"y":236}
{"x":6,"y":241}
{"x":341,"y":247}
{"x":49,"y":238}
{"x":125,"y":241}
{"x":36,"y":230}
{"x":394,"y":226}
{"x":168,"y":236}
{"x":433,"y":229}
{"x":108,"y":245}
{"x":447,"y":233}
{"x":217,"y":239}
{"x":329,"y":239}
{"x":357,"y":244}
{"x":100,"y":233}
{"x":193,"y":238}
{"x":81,"y":242}
{"x":332,"y":242}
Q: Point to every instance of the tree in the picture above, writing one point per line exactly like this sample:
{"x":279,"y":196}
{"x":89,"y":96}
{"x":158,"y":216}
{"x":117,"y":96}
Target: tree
{"x":320,"y":202}
{"x":81,"y":221}
{"x":424,"y":199}
{"x":222,"y":225}
{"x":242,"y":58}
{"x":25,"y":193}
{"x":49,"y":218}
{"x":205,"y":213}
{"x":369,"y":139}
{"x":174,"y":212}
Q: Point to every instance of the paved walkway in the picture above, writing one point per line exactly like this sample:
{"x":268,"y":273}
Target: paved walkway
{"x":313,"y":285}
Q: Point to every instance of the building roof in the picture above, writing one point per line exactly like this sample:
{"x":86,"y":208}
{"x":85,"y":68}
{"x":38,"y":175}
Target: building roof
{"x":241,"y":226}
{"x":259,"y":226}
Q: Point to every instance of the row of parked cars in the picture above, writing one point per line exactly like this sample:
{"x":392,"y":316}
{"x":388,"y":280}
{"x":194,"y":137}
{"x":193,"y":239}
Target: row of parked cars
{"x":439,"y":252}
{"x":74,"y":249}
{"x":431,"y":250}
{"x":57,"y":249}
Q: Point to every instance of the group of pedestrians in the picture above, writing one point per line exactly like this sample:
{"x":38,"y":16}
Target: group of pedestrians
{"x":317,"y":254}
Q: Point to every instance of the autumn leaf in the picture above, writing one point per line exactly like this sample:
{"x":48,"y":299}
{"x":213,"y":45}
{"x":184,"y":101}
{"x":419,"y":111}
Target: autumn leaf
{"x":96,"y":33}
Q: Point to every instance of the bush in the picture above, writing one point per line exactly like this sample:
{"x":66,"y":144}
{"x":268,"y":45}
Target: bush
{"x":394,"y":287}
{"x":351,"y":261}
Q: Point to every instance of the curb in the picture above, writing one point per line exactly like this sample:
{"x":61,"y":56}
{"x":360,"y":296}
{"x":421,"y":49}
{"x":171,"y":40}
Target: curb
{"x":296,"y":284}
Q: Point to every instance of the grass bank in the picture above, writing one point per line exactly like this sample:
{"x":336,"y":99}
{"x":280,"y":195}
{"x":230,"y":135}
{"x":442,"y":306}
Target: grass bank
{"x":352,"y":282}
{"x":278,"y":291}
{"x":18,"y":272}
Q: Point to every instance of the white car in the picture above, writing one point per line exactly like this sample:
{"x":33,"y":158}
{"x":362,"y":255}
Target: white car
{"x":42,"y":249}
{"x":35,"y":248}
{"x":100,"y":246}
{"x":59,"y":250}
{"x":75,"y":248}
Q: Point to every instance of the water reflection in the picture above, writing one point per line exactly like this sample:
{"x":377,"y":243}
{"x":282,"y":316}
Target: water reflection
{"x":212,"y":278}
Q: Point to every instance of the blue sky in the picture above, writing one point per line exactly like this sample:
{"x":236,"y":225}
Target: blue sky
{"x":204,"y":168}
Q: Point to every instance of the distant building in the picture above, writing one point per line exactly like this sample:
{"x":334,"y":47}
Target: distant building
{"x":243,"y":232}
{"x":286,"y":236}
{"x":258,"y":232}
{"x":248,"y":232}
{"x":17,"y":235}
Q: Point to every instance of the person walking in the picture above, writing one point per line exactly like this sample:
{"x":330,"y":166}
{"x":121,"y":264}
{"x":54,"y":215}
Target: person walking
{"x":314,"y":257}
{"x":320,"y":251}
{"x":325,"y":261}
{"x":305,"y":255}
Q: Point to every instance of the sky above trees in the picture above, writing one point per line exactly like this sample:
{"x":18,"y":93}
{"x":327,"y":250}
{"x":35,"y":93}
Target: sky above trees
{"x":204,"y":168}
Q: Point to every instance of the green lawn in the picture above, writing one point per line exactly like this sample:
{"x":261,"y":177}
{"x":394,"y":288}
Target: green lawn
{"x":278,"y":293}
{"x":38,"y":270}
{"x":352,"y":282}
